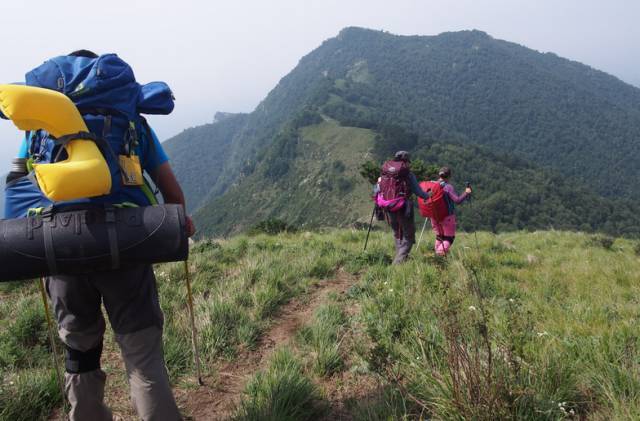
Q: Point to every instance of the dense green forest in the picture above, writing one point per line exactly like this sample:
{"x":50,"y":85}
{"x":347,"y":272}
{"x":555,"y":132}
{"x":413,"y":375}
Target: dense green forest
{"x":475,"y":89}
{"x":533,"y":132}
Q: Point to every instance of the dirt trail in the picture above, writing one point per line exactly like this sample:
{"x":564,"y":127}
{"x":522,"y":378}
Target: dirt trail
{"x":219,"y":397}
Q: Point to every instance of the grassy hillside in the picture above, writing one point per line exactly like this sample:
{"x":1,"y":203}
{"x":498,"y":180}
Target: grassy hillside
{"x":321,"y":186}
{"x":528,"y":326}
{"x":310,"y":178}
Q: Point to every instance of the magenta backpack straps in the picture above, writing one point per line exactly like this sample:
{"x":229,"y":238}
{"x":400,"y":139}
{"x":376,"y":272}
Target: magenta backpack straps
{"x":394,"y":180}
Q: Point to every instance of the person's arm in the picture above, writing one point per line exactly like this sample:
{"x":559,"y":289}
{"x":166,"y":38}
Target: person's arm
{"x":376,"y":188}
{"x":416,"y":189}
{"x":451,"y":192}
{"x":168,"y":185}
{"x":165,"y":180}
{"x":171,"y":191}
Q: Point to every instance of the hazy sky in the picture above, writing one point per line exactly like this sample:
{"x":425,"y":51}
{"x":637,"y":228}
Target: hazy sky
{"x":227,"y":55}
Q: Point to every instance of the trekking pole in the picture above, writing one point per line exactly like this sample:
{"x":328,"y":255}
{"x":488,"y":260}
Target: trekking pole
{"x":475,"y":234}
{"x":52,"y":338}
{"x":194,"y":333}
{"x":369,"y":230}
{"x":421,"y":233}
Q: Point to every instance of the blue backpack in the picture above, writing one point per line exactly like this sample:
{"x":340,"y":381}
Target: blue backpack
{"x":111,"y":102}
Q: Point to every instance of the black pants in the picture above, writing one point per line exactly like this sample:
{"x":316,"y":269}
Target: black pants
{"x":404,"y":231}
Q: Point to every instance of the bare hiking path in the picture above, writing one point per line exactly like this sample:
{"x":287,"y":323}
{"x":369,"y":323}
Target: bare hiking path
{"x":219,"y":398}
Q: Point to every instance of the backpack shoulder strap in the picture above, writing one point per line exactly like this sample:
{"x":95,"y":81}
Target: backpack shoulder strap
{"x":150,"y":190}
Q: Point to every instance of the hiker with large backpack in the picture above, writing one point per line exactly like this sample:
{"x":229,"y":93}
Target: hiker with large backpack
{"x":104,"y":90}
{"x":440,"y":209}
{"x":393,"y":194}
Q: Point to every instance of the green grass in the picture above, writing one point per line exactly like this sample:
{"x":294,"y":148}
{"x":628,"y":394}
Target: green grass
{"x":281,"y":392}
{"x":535,"y":326}
{"x":29,"y":394}
{"x":322,"y":339}
{"x":28,"y":388}
{"x":239,"y":286}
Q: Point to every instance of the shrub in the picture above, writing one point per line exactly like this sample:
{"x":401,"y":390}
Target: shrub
{"x":604,"y":241}
{"x":271,"y":226}
{"x":205,"y":246}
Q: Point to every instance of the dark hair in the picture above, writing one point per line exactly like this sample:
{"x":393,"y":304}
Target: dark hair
{"x":402,"y":156}
{"x":83,"y":53}
{"x":444,"y":172}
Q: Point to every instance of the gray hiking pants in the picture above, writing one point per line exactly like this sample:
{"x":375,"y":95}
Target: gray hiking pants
{"x":404,"y":231}
{"x":130,"y":298}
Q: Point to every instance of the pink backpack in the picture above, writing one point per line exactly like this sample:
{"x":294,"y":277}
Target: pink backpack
{"x":394,"y":185}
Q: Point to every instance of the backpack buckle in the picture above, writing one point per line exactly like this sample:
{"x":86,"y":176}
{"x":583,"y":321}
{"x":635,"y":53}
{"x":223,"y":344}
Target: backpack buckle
{"x":132,"y":139}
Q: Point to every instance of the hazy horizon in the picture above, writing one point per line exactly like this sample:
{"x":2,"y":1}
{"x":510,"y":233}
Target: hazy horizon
{"x":236,"y":53}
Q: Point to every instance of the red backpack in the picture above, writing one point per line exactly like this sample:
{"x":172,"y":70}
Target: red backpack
{"x":435,"y":207}
{"x":394,"y":180}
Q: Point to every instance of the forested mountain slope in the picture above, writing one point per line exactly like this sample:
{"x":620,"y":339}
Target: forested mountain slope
{"x":198,"y":155}
{"x":321,"y":186}
{"x":471,"y":87}
{"x":550,"y":126}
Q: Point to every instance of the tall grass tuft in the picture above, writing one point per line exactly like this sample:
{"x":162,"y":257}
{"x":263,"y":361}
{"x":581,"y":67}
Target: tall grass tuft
{"x":29,"y":395}
{"x":322,"y":338}
{"x":24,"y":342}
{"x":282,"y":392}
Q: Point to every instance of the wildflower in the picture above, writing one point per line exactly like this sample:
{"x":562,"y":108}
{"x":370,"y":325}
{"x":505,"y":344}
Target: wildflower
{"x":541,"y":334}
{"x":511,"y":300}
{"x":472,"y":308}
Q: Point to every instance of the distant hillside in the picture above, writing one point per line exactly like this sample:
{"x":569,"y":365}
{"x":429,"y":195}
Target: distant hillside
{"x":2,"y":179}
{"x":475,"y":89}
{"x":554,"y":124}
{"x":198,"y":155}
{"x":322,"y":187}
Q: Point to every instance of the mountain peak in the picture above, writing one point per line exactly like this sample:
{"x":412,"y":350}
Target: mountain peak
{"x":359,"y":32}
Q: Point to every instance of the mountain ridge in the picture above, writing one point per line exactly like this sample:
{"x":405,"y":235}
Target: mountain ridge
{"x":462,"y":88}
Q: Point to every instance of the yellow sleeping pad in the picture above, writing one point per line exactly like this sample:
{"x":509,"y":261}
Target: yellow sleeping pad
{"x":85,"y":172}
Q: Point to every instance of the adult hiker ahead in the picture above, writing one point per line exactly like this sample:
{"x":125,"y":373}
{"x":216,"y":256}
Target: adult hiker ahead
{"x":445,"y":229}
{"x":110,"y":101}
{"x":393,"y":194}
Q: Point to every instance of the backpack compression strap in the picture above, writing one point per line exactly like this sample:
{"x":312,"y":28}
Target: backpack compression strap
{"x":48,"y":216}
